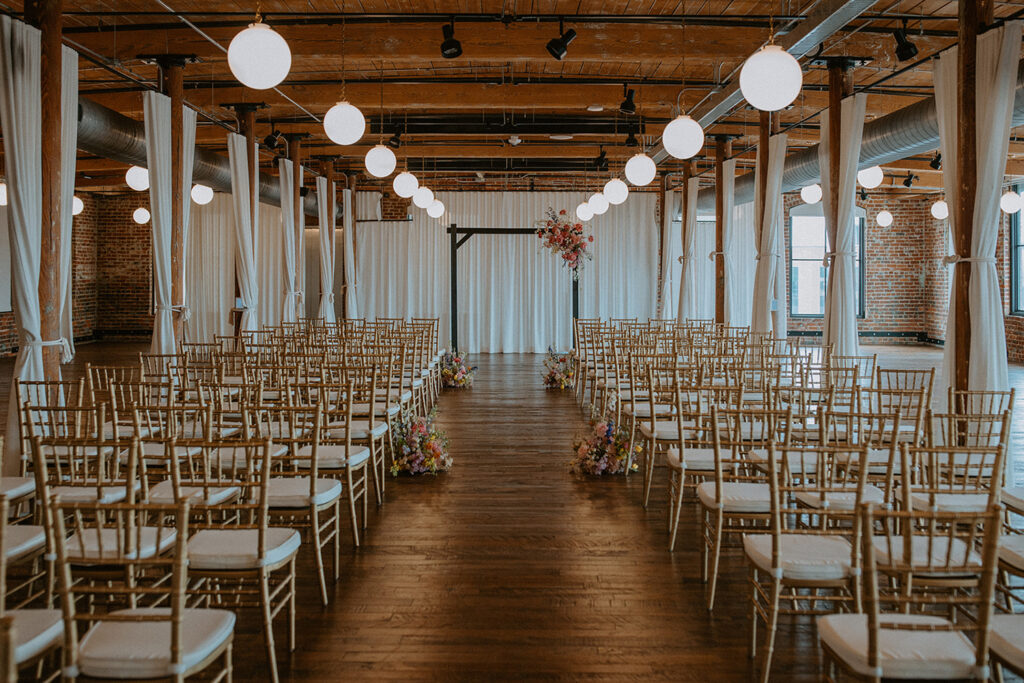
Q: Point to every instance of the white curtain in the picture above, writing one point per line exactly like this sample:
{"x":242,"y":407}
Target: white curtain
{"x":768,"y":236}
{"x":349,"y":237}
{"x":210,"y":253}
{"x":780,"y":308}
{"x":68,"y":157}
{"x":289,"y":230}
{"x":157,"y":110}
{"x":188,"y":160}
{"x":688,"y":286}
{"x":740,"y":261}
{"x":326,"y":206}
{"x":270,"y":265}
{"x":997,"y":62}
{"x":245,"y":194}
{"x":728,"y":191}
{"x":666,"y":302}
{"x":840,"y":323}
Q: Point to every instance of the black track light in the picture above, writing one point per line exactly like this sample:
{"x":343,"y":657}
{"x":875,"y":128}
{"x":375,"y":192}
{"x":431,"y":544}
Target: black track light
{"x":303,"y":191}
{"x":936,"y":161}
{"x":395,"y":141}
{"x":273,"y":140}
{"x":863,"y":195}
{"x":601,"y":162}
{"x":909,"y":180}
{"x":631,"y":140}
{"x":628,"y":106}
{"x":450,"y":48}
{"x":558,"y":47}
{"x":905,"y":50}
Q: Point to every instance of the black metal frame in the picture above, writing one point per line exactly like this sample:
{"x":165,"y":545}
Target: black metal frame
{"x":454,"y":231}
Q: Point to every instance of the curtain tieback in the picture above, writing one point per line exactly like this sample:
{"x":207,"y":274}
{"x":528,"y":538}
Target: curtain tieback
{"x":183,"y":311}
{"x":712,"y":255}
{"x":830,"y":256}
{"x":957,"y":258}
{"x":330,"y":297}
{"x":65,"y":347}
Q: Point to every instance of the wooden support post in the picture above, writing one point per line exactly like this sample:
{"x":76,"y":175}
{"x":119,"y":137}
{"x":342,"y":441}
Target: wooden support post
{"x":172,"y":67}
{"x":454,"y":265}
{"x":723,"y":148}
{"x":763,"y":133}
{"x":46,"y":15}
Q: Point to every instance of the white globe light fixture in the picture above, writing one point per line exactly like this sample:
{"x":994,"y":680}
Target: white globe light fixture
{"x":811,"y":194}
{"x":141,"y":215}
{"x":884,"y":219}
{"x":640,"y":170}
{"x":202,"y":195}
{"x":940,"y":210}
{"x":405,"y":184}
{"x":3,"y":194}
{"x":1010,"y":202}
{"x":436,"y":209}
{"x":683,"y":137}
{"x":380,"y":161}
{"x":423,"y":196}
{"x":771,"y":78}
{"x":598,"y":204}
{"x":77,"y":206}
{"x":870,"y":178}
{"x":616,"y":191}
{"x":137,"y":178}
{"x":259,"y":57}
{"x":584,"y":212}
{"x":344,"y":124}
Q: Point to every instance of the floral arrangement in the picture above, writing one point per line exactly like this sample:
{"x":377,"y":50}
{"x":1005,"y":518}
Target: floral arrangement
{"x":604,"y":451}
{"x":560,"y":372}
{"x":455,"y":371}
{"x":566,"y":239}
{"x":419,"y":446}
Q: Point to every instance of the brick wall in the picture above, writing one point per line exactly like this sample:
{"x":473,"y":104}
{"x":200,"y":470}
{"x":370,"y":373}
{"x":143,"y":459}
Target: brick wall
{"x":124,"y":279}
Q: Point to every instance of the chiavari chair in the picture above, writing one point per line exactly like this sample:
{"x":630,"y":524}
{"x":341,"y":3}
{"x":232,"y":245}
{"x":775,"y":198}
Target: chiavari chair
{"x":906,"y":380}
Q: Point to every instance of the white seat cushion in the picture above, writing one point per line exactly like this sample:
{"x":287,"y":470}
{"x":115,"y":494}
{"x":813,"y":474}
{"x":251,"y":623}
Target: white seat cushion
{"x":93,"y":544}
{"x":163,"y":494}
{"x":17,"y":487}
{"x":405,"y":396}
{"x":90,"y":494}
{"x":22,"y":539}
{"x":644,"y":409}
{"x":226,"y":549}
{"x":360,"y":430}
{"x":379,"y":409}
{"x":919,"y":551}
{"x":124,"y":431}
{"x":841,"y":500}
{"x":799,"y":462}
{"x":697,"y":459}
{"x":1011,"y":551}
{"x":155,"y":449}
{"x":335,"y":456}
{"x":1006,"y":639}
{"x":802,"y":557}
{"x":948,"y":502}
{"x":142,"y":649}
{"x":667,"y":430}
{"x":1013,"y":498}
{"x":36,"y":631}
{"x":737,"y":496}
{"x":293,"y":492}
{"x":901,"y":654}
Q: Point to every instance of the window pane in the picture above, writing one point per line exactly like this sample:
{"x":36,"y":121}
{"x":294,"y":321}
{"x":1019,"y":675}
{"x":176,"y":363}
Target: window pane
{"x":808,"y":237}
{"x":807,"y":281}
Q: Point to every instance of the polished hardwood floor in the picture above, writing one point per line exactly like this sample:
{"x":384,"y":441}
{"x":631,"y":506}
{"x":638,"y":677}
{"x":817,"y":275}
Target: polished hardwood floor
{"x":511,"y":568}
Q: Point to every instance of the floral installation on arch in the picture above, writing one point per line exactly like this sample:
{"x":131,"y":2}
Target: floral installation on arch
{"x":566,"y":238}
{"x":604,"y":450}
{"x":560,"y":368}
{"x":456,"y":370}
{"x":420,"y":447}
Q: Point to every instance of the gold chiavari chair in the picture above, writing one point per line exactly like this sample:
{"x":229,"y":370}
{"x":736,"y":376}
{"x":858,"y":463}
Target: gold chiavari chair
{"x":906,"y":380}
{"x":969,"y":401}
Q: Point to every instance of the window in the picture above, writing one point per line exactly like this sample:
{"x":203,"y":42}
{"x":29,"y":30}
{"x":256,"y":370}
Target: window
{"x":808,"y":277}
{"x":1016,"y":262}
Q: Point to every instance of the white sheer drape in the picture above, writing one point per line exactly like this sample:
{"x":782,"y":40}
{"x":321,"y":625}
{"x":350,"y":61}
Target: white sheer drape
{"x":688,"y":287}
{"x":210,"y":253}
{"x":351,"y":283}
{"x":742,"y":255}
{"x":270,"y":265}
{"x":188,"y":160}
{"x":289,"y":230}
{"x":245,"y":193}
{"x":780,"y":307}
{"x":728,"y":191}
{"x":767,"y":231}
{"x":157,"y":110}
{"x":325,"y":197}
{"x":300,"y":257}
{"x":840,"y":323}
{"x":669,"y":249}
{"x":998,"y":55}
{"x":68,"y":157}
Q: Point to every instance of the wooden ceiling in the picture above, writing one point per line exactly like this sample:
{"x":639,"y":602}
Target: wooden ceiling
{"x":459,"y":113}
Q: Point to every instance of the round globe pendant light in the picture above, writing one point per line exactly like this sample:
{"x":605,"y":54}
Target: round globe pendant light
{"x":870,"y":178}
{"x":683,"y":137}
{"x":884,"y":219}
{"x":380,"y":161}
{"x":202,"y":195}
{"x":405,"y":184}
{"x":640,"y":170}
{"x":584,"y":212}
{"x":598,"y":204}
{"x":616,"y":191}
{"x":436,"y":209}
{"x":811,"y":194}
{"x":771,"y":79}
{"x":940,"y":210}
{"x":141,"y":215}
{"x":1010,"y":202}
{"x":344,"y":124}
{"x":423,"y":196}
{"x":259,"y":57}
{"x":77,"y":206}
{"x":137,"y":178}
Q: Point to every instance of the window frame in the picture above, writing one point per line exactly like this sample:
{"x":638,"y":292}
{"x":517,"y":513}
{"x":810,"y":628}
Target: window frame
{"x":817,"y":209}
{"x":1016,"y":267}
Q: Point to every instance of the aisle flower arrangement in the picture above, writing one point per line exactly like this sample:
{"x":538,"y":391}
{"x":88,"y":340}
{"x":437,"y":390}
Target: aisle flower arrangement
{"x":604,"y":450}
{"x":456,"y":370}
{"x":560,"y":372}
{"x":420,"y":447}
{"x":565,"y":238}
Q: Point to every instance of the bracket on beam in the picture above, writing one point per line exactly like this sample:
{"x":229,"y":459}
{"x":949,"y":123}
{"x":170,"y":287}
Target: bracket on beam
{"x":242,"y":107}
{"x":841,"y":61}
{"x":170,"y":59}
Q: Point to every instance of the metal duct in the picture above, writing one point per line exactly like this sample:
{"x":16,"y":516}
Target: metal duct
{"x":905,"y":132}
{"x":106,"y":133}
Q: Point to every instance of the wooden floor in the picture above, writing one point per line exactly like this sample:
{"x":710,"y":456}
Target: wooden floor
{"x":509,"y":567}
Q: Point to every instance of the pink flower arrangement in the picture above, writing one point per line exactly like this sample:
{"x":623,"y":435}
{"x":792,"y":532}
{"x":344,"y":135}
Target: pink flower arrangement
{"x":456,"y":370}
{"x":566,"y":239}
{"x":420,"y":447}
{"x":604,"y":451}
{"x":560,"y":372}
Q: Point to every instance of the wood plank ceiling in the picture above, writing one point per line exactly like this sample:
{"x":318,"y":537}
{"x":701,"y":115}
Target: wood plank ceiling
{"x":459,"y":114}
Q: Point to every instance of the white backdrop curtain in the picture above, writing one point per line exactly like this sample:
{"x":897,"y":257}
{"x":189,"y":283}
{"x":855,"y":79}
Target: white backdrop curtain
{"x":688,"y":294}
{"x":289,"y":230}
{"x":669,"y":250}
{"x":245,"y":193}
{"x":840,"y":323}
{"x":210,"y":254}
{"x":742,"y":255}
{"x":188,"y":159}
{"x":68,"y":157}
{"x":157,"y":110}
{"x":326,"y":206}
{"x":728,"y":191}
{"x":998,"y":55}
{"x":348,"y":226}
{"x":767,"y":235}
{"x":270,"y":265}
{"x":780,"y":309}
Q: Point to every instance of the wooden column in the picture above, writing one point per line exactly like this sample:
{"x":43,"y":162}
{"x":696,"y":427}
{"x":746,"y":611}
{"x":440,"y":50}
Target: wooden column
{"x":46,"y":15}
{"x":763,"y":133}
{"x":723,"y":148}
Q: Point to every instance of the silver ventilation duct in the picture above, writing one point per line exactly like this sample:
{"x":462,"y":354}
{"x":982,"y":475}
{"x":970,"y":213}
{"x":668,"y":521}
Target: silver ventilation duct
{"x":905,"y":132}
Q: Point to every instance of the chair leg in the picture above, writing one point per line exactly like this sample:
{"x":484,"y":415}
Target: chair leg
{"x":773,"y":622}
{"x":716,"y":554}
{"x":291,"y":605}
{"x":337,"y":539}
{"x":352,"y":514}
{"x":314,"y":519}
{"x":268,"y":626}
{"x":229,"y":670}
{"x":675,"y":506}
{"x":649,"y":457}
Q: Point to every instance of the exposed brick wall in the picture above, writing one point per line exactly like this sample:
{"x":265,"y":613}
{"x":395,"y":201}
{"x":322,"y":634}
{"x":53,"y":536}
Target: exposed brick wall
{"x":125,"y":269}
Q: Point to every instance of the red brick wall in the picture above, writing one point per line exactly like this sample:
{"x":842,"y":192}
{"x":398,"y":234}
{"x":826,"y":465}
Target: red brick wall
{"x":125,"y":269}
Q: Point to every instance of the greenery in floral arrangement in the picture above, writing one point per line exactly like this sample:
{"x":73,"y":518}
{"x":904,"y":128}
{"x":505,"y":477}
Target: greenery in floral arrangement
{"x":456,"y":370}
{"x":420,"y":447}
{"x":565,"y":237}
{"x":604,"y":450}
{"x":560,"y":370}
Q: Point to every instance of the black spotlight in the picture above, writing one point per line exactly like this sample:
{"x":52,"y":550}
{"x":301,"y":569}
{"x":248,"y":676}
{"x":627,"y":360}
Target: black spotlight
{"x":273,"y":140}
{"x":395,"y":141}
{"x":863,"y":195}
{"x":909,"y":180}
{"x":558,"y":47}
{"x":936,"y":161}
{"x":451,"y":48}
{"x":601,"y":162}
{"x":905,"y":50}
{"x":628,"y":106}
{"x":631,"y":140}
